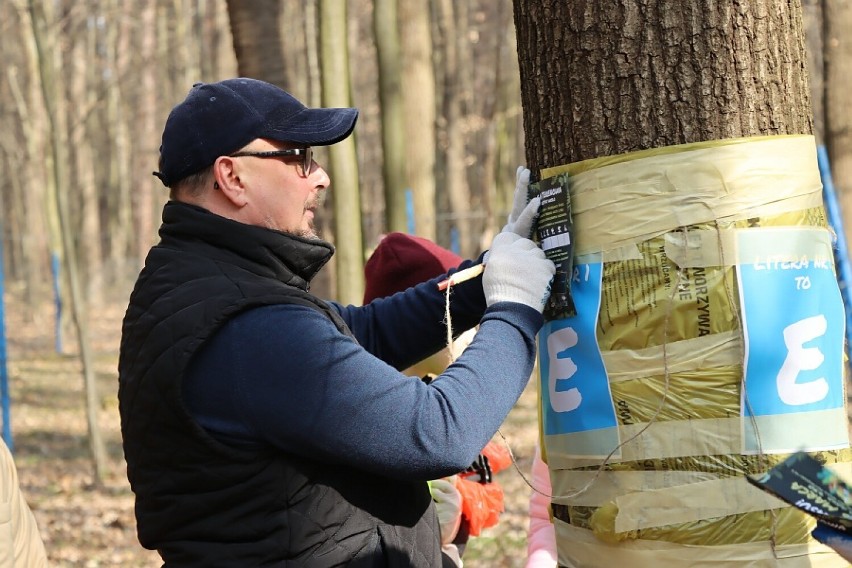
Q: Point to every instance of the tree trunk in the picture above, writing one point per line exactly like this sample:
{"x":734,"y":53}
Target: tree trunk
{"x":48,"y":57}
{"x":636,"y":435}
{"x":418,"y":82}
{"x":838,"y":101}
{"x":118,"y":200}
{"x":343,"y":162}
{"x":451,"y":135}
{"x":146,"y":192}
{"x":813,"y":20}
{"x":390,"y":98}
{"x":735,"y":70}
{"x":81,"y":95}
{"x":256,"y":29}
{"x":35,"y":248}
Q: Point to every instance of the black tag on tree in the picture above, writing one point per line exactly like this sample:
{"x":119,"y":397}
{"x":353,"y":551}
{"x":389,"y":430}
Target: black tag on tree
{"x":555,"y":233}
{"x":808,"y":485}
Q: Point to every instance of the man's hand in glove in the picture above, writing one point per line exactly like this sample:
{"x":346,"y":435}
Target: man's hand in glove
{"x":521,"y":218}
{"x":517,"y":271}
{"x":520,"y":221}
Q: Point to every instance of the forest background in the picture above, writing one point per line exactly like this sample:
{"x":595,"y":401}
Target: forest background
{"x":86,"y":86}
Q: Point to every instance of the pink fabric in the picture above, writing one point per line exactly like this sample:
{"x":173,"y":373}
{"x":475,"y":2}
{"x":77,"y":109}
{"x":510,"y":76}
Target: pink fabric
{"x":541,"y":536}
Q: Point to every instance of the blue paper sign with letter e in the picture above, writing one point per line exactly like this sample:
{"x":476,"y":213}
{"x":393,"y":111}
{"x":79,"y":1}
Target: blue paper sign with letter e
{"x":576,"y":399}
{"x":794,"y":328}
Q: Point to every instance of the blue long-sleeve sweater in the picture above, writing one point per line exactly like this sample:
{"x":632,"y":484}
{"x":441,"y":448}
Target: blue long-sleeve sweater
{"x":284,"y":375}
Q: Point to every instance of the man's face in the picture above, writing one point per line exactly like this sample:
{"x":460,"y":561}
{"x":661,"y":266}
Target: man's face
{"x":279,"y":194}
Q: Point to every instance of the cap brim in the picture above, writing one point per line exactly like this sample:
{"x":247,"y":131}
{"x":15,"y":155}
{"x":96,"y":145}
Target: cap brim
{"x":313,"y":126}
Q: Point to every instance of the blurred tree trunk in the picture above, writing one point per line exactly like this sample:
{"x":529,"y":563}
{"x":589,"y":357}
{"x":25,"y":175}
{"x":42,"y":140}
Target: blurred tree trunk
{"x":256,"y":29}
{"x":145,"y":186}
{"x":814,"y":24}
{"x":343,"y":162}
{"x":390,"y":99}
{"x":418,"y":80}
{"x":312,"y":63}
{"x":492,"y":97}
{"x":510,"y":135}
{"x":43,"y":20}
{"x":451,"y":134}
{"x":82,"y":96}
{"x":324,"y":284}
{"x":838,"y":102}
{"x":34,"y":241}
{"x":117,"y":43}
{"x":188,"y":66}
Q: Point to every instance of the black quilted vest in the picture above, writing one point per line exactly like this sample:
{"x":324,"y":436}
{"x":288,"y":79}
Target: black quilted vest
{"x":200,"y":502}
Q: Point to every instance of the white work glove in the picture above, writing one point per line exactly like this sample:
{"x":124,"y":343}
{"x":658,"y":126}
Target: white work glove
{"x":448,"y":506}
{"x":523,"y":214}
{"x":521,"y":218}
{"x":517,"y":271}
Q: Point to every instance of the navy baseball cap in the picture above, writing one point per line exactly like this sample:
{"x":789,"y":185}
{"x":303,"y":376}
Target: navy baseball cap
{"x":217,"y":119}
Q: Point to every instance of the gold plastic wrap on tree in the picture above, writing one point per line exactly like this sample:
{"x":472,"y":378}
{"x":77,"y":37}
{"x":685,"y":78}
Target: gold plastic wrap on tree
{"x":669,"y":329}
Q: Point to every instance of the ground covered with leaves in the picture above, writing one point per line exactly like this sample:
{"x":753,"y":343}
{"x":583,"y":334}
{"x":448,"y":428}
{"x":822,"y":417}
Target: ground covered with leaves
{"x":84,"y":525}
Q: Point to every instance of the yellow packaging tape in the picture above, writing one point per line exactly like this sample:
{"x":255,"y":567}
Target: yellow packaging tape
{"x":672,"y":236}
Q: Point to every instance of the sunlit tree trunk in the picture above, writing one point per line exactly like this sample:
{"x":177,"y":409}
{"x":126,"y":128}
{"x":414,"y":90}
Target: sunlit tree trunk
{"x":36,"y":245}
{"x":390,"y":98}
{"x":418,"y":81}
{"x":343,"y":163}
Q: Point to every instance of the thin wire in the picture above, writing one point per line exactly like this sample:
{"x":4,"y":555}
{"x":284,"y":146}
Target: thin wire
{"x":605,"y":462}
{"x":762,"y":458}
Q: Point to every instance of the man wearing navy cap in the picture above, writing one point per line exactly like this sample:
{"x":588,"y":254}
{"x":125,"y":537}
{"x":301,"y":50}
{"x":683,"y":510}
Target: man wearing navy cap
{"x":263,"y":426}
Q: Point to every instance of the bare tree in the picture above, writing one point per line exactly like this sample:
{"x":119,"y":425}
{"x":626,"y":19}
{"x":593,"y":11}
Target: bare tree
{"x":343,"y":163}
{"x":83,"y":95}
{"x":451,"y":141}
{"x":48,"y":57}
{"x":256,"y":28}
{"x":418,"y":82}
{"x":390,"y":98}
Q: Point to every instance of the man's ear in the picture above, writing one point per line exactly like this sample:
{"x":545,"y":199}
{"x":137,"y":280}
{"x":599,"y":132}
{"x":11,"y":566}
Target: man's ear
{"x":226,"y":176}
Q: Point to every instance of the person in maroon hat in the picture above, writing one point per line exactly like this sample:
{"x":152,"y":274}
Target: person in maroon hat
{"x":264,"y":426}
{"x":399,"y":262}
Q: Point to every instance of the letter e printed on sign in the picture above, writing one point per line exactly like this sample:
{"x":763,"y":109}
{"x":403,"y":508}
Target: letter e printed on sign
{"x":793,"y":328}
{"x":576,"y":398}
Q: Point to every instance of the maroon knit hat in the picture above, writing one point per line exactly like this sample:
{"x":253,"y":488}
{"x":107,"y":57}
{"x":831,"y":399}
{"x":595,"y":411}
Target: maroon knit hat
{"x":401,"y":261}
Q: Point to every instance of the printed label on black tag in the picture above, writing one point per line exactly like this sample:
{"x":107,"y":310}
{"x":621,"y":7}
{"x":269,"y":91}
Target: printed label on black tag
{"x":555,"y":232}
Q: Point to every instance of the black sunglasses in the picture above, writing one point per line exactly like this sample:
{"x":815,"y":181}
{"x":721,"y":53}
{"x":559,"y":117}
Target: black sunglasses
{"x":307,"y":155}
